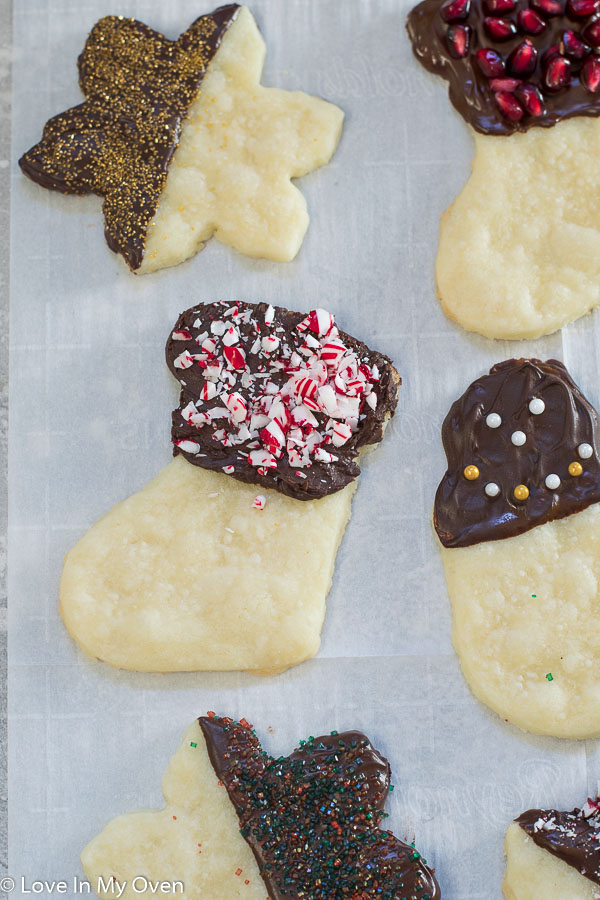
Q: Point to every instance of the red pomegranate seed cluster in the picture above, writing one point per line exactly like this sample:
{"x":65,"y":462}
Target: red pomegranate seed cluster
{"x":537,"y":60}
{"x":272,"y":392}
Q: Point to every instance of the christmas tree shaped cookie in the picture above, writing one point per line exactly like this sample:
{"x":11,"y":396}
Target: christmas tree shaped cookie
{"x":519,"y":248}
{"x":518,"y":518}
{"x":224,"y":561}
{"x":242,"y":825}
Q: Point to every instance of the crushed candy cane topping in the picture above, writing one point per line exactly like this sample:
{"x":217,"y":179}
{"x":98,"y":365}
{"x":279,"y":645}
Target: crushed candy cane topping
{"x":572,"y":836}
{"x":278,"y":390}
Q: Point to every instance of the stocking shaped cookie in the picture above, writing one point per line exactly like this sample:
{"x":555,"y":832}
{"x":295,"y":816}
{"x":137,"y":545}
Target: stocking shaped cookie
{"x":183,"y":142}
{"x":518,"y":518}
{"x":241,"y":824}
{"x":519,"y":249}
{"x":553,"y":855}
{"x":224,"y":561}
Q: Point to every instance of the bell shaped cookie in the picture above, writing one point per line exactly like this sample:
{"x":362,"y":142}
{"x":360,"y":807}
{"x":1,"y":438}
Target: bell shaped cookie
{"x":518,"y":519}
{"x":240,"y":824}
{"x":183,"y":142}
{"x":225,"y":559}
{"x":554,"y":855}
{"x":519,"y":248}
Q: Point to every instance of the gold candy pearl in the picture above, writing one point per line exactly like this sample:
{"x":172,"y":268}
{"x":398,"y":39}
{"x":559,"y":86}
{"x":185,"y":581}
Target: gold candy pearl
{"x":471,"y":473}
{"x":575,"y":469}
{"x":521,"y":492}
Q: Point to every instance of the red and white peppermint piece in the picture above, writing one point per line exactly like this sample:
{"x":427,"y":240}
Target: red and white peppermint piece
{"x":306,"y":388}
{"x":188,"y":446}
{"x":231,"y":336}
{"x":208,"y":391}
{"x":184,"y":360}
{"x":209,"y":346}
{"x":262,"y":458}
{"x":273,"y":437}
{"x":302,"y":415}
{"x":182,"y":334}
{"x":340,"y":434}
{"x":218,"y":328}
{"x":332,"y":352}
{"x":236,"y":357}
{"x":318,"y":320}
{"x":269,"y":314}
{"x":270,"y":343}
{"x":236,"y":405}
{"x":372,"y":399}
{"x":229,"y":470}
{"x":259,"y":502}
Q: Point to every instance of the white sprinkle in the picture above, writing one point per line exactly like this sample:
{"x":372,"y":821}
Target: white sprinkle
{"x":518,"y":438}
{"x":214,"y":494}
{"x":493,"y":420}
{"x":230,"y":530}
{"x":552,"y":481}
{"x":585,"y":451}
{"x":537,"y":406}
{"x":492,"y":489}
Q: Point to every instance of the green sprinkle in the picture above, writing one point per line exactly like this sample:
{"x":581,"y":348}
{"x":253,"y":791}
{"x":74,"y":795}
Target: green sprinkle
{"x":550,"y":676}
{"x":534,"y":595}
{"x":416,"y":855}
{"x":192,"y":744}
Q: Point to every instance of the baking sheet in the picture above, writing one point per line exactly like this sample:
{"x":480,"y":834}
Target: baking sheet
{"x":90,"y":403}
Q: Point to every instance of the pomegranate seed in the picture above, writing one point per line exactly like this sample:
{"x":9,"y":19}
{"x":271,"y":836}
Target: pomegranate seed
{"x":455,"y":10}
{"x":557,"y":73}
{"x":490,"y":63}
{"x":530,"y":99}
{"x":591,"y":33}
{"x":504,"y":84}
{"x":530,"y":21}
{"x":509,"y":106}
{"x":572,"y":46}
{"x":590,"y":74}
{"x":458,"y":37}
{"x":549,"y":7}
{"x":554,"y":50}
{"x":499,"y":29}
{"x":522,"y":61}
{"x":497,"y":7}
{"x":582,"y":7}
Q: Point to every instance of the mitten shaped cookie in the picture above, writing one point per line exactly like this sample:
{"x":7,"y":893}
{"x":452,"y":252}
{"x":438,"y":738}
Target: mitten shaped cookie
{"x":183,"y":142}
{"x":241,"y":824}
{"x":552,"y":855}
{"x":201,"y":569}
{"x":518,"y":517}
{"x":519,"y":248}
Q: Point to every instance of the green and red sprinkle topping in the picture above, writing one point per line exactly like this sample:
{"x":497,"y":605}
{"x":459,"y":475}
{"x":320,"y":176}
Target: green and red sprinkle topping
{"x":312,"y":819}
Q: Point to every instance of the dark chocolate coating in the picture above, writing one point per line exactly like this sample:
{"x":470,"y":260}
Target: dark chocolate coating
{"x":469,"y":89}
{"x":119,"y":143}
{"x":463,"y":513}
{"x":312,"y":818}
{"x":314,"y":481}
{"x":571,"y":836}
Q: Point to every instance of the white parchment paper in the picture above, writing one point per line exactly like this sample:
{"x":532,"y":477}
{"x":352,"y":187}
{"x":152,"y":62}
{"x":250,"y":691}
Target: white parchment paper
{"x":90,"y":401}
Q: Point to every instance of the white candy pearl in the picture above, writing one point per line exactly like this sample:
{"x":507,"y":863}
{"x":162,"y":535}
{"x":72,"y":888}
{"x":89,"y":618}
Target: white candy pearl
{"x":518,"y":438}
{"x":585,"y":451}
{"x":552,"y":482}
{"x":537,"y":406}
{"x":492,"y":489}
{"x":493,"y":420}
